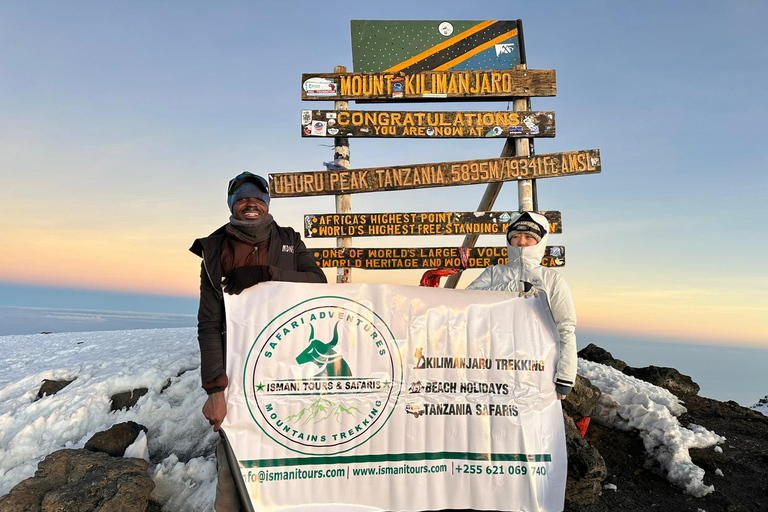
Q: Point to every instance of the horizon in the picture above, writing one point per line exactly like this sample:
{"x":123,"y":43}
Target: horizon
{"x":122,"y":126}
{"x":124,"y":311}
{"x":743,"y":364}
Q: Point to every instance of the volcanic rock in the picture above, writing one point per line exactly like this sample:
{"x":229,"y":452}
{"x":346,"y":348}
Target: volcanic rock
{"x":581,"y":402}
{"x":599,"y":355}
{"x":51,"y":387}
{"x":116,"y":439}
{"x":667,"y":378}
{"x":83,"y":481}
{"x":586,"y":468}
{"x":127,"y":399}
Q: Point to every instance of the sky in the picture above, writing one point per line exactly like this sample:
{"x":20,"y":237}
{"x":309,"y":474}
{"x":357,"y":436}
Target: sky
{"x":122,"y":123}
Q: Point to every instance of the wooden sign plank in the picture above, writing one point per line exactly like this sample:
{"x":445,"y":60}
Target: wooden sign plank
{"x":424,"y":257}
{"x":369,"y":123}
{"x":423,"y":45}
{"x":444,"y":174}
{"x":328,"y":225}
{"x":429,"y":85}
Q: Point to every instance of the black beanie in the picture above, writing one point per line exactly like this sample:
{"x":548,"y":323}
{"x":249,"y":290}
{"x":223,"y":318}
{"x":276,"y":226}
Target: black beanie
{"x":525,"y":224}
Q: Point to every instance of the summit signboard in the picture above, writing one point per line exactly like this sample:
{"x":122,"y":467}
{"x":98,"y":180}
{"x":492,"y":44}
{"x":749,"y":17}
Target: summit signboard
{"x":442,"y":174}
{"x":475,"y":85}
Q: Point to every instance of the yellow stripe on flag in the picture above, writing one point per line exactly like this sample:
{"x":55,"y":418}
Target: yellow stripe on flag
{"x":476,"y":50}
{"x":445,"y":44}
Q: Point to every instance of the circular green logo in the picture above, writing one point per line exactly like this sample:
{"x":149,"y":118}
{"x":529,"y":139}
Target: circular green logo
{"x":323,"y":377}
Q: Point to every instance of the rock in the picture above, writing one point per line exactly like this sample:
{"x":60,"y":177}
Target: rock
{"x":83,"y":481}
{"x":127,"y":399}
{"x":153,"y":506}
{"x":116,"y":439}
{"x":185,"y":370}
{"x":598,"y":355}
{"x":181,"y":372}
{"x":581,"y":402}
{"x":642,"y":487}
{"x":586,"y":468}
{"x":51,"y":387}
{"x":667,"y":378}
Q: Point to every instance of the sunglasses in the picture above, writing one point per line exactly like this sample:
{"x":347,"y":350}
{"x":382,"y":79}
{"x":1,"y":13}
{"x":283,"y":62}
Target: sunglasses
{"x":247,"y":177}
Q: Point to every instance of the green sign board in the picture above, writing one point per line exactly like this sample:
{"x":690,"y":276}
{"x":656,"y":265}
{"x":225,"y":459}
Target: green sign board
{"x":437,"y":45}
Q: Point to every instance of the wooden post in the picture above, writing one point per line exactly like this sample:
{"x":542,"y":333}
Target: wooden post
{"x":513,"y":147}
{"x":343,"y":201}
{"x":525,"y":190}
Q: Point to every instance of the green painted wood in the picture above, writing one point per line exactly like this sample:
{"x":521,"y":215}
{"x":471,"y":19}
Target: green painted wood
{"x":379,"y":45}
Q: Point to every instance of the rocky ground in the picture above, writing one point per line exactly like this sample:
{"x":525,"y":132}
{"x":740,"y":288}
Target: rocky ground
{"x":608,"y":469}
{"x":640,"y":486}
{"x":94,"y":478}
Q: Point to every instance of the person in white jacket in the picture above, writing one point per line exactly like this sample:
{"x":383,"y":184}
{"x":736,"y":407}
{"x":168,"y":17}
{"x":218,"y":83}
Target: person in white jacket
{"x":526,"y":242}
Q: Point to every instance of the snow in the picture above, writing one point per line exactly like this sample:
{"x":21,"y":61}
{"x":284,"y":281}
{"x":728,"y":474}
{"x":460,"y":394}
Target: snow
{"x":761,"y":406}
{"x":139,"y":448}
{"x":628,"y":403}
{"x":610,"y":487}
{"x":718,"y":449}
{"x":719,"y":472}
{"x":180,"y":442}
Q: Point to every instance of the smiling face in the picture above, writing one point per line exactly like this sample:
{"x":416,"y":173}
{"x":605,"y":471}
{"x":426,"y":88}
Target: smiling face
{"x":522,"y":240}
{"x":249,"y":208}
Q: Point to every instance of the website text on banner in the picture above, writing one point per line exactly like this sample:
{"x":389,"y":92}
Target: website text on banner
{"x":394,"y":397}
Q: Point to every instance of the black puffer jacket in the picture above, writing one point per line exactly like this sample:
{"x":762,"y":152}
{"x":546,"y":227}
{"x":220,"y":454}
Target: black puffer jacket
{"x":291,"y":261}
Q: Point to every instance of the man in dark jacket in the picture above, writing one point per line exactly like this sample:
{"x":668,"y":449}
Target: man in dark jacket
{"x":250,"y":249}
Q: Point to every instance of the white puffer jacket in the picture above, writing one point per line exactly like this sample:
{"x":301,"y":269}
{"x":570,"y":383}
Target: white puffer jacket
{"x":525,"y":265}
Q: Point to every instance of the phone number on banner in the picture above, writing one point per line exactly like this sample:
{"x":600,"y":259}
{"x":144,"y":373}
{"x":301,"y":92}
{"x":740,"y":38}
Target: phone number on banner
{"x":494,"y":469}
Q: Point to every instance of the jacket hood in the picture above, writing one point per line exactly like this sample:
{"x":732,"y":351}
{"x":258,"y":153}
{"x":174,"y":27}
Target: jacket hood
{"x":530,"y":256}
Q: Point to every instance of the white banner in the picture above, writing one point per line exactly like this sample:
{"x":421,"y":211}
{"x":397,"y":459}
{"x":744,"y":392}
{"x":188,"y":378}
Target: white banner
{"x":380,"y":397}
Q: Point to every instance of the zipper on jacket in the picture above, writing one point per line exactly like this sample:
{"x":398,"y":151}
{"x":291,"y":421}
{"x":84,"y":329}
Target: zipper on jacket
{"x":208,"y":273}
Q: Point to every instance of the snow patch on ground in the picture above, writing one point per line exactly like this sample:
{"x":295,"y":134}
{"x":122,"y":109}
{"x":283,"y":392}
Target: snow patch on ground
{"x":139,"y":449}
{"x":179,"y":444}
{"x":628,"y":403}
{"x":188,"y":486}
{"x":761,"y":406}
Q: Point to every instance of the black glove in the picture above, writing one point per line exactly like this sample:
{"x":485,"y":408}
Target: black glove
{"x":528,"y":290}
{"x":245,"y":277}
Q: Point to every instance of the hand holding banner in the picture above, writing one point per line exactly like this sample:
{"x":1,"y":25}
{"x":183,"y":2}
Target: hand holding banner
{"x":394,"y":397}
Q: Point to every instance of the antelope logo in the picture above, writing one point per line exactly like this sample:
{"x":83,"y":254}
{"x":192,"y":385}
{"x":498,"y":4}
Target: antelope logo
{"x":359,"y":381}
{"x":331,"y":363}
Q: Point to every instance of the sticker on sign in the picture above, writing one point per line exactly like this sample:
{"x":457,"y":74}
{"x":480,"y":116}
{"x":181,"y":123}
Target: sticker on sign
{"x":505,"y":49}
{"x":318,"y":86}
{"x":319,"y":128}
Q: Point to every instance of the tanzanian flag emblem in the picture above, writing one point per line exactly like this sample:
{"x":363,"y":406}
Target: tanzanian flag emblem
{"x":414,"y":46}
